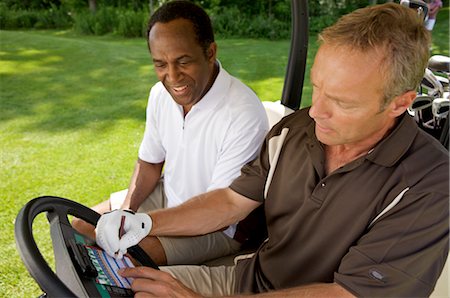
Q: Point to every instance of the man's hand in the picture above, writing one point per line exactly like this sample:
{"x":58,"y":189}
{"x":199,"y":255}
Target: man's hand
{"x":155,"y":283}
{"x":117,"y":230}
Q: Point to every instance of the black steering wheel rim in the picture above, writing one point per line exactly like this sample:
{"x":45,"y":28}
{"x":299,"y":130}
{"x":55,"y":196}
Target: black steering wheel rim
{"x":31,"y":256}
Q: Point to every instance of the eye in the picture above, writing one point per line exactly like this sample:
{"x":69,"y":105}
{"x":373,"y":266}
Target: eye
{"x":345,"y":105}
{"x":159,"y":64}
{"x":184,"y":62}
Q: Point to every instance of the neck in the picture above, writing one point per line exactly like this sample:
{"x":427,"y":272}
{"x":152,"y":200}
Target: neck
{"x":212,"y":79}
{"x":340,"y":155}
{"x":337,"y":156}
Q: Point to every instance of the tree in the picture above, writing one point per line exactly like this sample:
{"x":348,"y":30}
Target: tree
{"x":93,"y":5}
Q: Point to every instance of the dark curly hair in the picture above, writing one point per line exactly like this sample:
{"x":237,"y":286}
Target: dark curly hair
{"x":185,"y":10}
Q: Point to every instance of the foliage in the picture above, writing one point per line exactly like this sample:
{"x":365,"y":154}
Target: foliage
{"x":51,"y":18}
{"x":231,"y":18}
{"x":132,"y":23}
{"x":98,"y":23}
{"x":231,"y":22}
{"x":123,"y":22}
{"x":324,"y":13}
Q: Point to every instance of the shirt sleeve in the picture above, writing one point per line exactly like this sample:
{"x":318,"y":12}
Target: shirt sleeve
{"x":403,"y":253}
{"x":253,"y":176}
{"x":151,"y":149}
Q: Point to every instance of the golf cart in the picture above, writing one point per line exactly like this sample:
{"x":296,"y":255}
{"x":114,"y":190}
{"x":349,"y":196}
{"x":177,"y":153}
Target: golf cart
{"x":80,"y":266}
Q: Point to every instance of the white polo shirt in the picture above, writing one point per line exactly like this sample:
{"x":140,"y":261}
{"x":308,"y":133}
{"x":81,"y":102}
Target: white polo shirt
{"x":206,"y":149}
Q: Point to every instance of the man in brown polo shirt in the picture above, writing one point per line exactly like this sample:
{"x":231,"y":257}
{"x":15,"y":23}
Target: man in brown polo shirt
{"x":355,"y":194}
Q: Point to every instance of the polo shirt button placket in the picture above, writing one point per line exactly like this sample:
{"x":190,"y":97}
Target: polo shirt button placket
{"x":184,"y":138}
{"x":320,"y":192}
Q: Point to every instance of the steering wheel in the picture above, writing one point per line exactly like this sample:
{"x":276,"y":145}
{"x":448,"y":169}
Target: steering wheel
{"x":57,"y":210}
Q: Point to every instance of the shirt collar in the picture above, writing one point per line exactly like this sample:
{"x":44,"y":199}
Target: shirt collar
{"x":217,"y":91}
{"x":389,"y":151}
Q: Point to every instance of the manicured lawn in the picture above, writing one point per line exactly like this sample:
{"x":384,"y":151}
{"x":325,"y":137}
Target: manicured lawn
{"x":72,"y":112}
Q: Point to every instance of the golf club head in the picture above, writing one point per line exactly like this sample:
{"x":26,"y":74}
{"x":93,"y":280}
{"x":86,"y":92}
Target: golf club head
{"x":420,"y":6}
{"x":432,"y":84}
{"x":420,"y":108}
{"x":439,"y":63}
{"x":440,"y":107}
{"x":444,"y":82}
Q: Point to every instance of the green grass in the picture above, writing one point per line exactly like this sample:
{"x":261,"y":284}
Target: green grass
{"x":72,"y":112}
{"x":440,"y":34}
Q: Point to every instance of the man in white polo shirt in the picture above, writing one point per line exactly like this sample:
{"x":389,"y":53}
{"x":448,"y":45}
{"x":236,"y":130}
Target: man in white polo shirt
{"x":202,"y":126}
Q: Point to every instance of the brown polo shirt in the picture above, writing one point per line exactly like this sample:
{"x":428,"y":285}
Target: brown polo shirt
{"x":377,"y":226}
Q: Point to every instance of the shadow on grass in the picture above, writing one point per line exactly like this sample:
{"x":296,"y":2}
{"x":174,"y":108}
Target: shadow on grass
{"x":58,"y":84}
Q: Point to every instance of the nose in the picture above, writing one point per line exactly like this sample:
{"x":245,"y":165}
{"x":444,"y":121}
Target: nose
{"x":173,"y":73}
{"x":319,"y":108}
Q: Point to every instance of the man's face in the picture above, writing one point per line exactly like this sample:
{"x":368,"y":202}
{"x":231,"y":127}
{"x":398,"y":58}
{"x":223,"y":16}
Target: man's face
{"x":347,"y":97}
{"x":180,"y":62}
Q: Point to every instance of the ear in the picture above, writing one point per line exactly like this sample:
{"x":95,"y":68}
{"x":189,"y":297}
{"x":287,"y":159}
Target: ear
{"x":400,"y":103}
{"x":212,"y":52}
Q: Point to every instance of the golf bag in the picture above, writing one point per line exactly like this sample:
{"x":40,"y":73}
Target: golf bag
{"x":430,"y":108}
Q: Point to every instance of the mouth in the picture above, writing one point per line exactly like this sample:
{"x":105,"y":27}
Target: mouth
{"x":322,"y":128}
{"x":180,"y":90}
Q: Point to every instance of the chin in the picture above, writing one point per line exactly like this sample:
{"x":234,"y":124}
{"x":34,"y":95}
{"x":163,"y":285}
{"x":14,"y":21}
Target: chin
{"x":326,"y":140}
{"x":182,"y":101}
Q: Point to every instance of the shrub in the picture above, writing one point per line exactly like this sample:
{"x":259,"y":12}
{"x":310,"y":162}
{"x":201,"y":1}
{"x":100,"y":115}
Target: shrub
{"x":228,"y":21}
{"x":22,"y":19}
{"x":99,"y":23}
{"x":83,"y":22}
{"x":269,"y":28}
{"x":104,"y":20}
{"x":231,"y":22}
{"x":41,"y":19}
{"x":132,"y":23}
{"x":53,"y":19}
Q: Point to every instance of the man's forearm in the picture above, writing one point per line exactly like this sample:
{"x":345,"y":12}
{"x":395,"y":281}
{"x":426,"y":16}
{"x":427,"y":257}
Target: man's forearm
{"x":309,"y":291}
{"x":206,"y":213}
{"x":143,"y":182}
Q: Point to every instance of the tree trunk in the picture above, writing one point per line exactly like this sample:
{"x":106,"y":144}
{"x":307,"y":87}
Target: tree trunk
{"x":270,"y":9}
{"x":150,"y":5}
{"x":92,"y":5}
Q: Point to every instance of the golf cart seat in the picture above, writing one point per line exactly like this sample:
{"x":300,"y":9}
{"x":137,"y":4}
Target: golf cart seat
{"x":275,"y":110}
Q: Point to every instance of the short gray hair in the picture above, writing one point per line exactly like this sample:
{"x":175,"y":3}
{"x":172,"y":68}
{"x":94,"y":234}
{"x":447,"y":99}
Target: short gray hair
{"x":395,"y":31}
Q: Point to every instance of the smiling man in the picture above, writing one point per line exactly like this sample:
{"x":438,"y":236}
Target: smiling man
{"x":202,"y":126}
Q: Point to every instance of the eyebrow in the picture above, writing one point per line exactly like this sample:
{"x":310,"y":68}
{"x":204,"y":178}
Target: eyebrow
{"x":177,"y":59}
{"x":332,"y":97}
{"x":343,"y":99}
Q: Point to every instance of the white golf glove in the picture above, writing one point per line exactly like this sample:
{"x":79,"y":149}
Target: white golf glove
{"x":135,"y":227}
